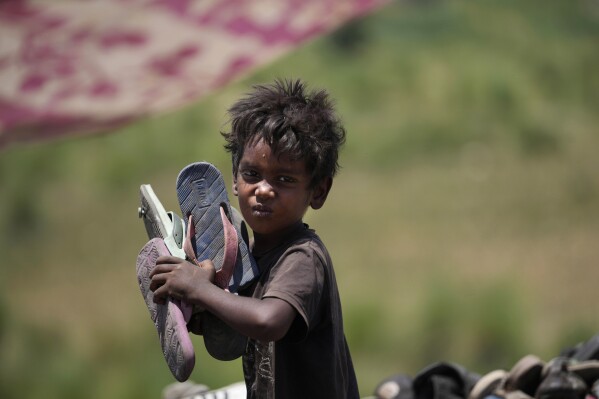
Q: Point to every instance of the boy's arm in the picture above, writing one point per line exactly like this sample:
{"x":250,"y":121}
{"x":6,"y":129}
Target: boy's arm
{"x":266,"y":319}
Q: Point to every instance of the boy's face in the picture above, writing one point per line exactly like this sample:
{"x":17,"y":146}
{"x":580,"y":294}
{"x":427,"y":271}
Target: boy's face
{"x":274,"y":191}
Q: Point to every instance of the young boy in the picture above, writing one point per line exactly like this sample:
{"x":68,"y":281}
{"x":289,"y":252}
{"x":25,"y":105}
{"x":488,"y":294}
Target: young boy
{"x":284,"y":143}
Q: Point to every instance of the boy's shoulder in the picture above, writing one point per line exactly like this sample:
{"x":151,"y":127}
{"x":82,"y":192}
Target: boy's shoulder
{"x":305,"y":238}
{"x":307,"y":248}
{"x":301,"y":241}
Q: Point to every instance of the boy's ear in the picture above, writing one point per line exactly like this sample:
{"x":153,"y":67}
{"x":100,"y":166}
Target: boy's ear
{"x":320,"y":192}
{"x":235,"y":184}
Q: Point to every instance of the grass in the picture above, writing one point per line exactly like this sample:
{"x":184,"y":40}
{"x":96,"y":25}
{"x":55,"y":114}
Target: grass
{"x":463,"y":224}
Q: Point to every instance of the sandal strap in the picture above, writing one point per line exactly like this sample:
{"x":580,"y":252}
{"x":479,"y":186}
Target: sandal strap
{"x":223,"y":275}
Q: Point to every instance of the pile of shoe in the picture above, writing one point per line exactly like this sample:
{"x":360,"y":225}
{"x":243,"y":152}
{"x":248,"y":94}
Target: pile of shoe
{"x":560,"y":378}
{"x":574,"y":374}
{"x":441,"y":380}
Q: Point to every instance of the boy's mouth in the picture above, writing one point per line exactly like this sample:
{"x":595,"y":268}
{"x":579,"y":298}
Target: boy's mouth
{"x":261,"y":210}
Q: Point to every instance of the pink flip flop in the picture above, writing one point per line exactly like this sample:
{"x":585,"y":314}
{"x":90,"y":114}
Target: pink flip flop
{"x":170,"y":318}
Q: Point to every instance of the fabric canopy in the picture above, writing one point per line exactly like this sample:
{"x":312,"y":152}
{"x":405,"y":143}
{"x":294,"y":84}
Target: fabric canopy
{"x":74,"y":67}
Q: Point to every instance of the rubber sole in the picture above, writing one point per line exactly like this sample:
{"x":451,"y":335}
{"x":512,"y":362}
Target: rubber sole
{"x":170,"y":319}
{"x":201,"y":192}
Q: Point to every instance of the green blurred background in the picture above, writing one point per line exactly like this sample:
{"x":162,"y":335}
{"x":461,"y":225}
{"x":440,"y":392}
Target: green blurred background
{"x":464,"y":225}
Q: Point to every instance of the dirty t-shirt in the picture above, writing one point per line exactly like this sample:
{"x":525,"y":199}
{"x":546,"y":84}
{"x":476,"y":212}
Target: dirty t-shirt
{"x":313,"y":359}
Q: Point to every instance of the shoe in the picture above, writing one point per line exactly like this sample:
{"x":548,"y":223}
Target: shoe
{"x":525,"y":376}
{"x":508,"y":395}
{"x":213,"y":234}
{"x":234,"y":391}
{"x":560,"y":383}
{"x":488,"y":384}
{"x":203,"y":196}
{"x":444,"y":380}
{"x":180,"y":390}
{"x":588,"y":370}
{"x":588,"y":350}
{"x":159,"y":223}
{"x":395,"y":387}
{"x":170,"y":319}
{"x":517,"y":395}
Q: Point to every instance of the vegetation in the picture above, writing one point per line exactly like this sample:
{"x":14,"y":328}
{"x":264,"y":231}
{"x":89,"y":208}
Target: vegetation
{"x":463,"y":225}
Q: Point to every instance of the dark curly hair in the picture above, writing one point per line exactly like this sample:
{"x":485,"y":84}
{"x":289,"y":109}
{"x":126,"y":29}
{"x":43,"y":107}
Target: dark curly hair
{"x":293,"y":121}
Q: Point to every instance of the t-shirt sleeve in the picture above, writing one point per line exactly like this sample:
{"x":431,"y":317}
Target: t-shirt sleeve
{"x":298,"y":278}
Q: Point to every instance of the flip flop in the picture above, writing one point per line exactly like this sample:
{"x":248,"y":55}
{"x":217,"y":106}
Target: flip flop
{"x":170,"y":318}
{"x":202,"y":194}
{"x":398,"y":386}
{"x":525,"y":375}
{"x":212,"y":234}
{"x":487,"y":385}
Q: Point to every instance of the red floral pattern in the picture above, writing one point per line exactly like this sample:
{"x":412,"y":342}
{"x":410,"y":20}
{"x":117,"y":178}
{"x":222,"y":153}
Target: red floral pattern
{"x":85,"y":66}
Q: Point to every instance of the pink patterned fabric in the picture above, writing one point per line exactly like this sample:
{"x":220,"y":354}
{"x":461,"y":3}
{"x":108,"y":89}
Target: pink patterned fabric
{"x":69,"y":66}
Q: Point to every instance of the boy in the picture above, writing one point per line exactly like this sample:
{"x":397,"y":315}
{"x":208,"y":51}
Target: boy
{"x":284,"y":144}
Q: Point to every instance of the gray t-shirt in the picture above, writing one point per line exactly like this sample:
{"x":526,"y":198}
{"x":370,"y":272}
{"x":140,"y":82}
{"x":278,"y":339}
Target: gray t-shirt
{"x":313,"y":359}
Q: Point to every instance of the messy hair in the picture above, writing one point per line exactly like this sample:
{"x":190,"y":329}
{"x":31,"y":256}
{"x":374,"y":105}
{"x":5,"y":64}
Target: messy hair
{"x":292,"y":121}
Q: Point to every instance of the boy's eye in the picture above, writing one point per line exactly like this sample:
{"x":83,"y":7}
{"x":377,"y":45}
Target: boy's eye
{"x":286,"y":179}
{"x":249,"y":174}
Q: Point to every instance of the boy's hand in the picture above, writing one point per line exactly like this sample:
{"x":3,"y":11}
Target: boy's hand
{"x":179,"y":278}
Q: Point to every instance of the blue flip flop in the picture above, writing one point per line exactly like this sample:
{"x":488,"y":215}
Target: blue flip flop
{"x":202,"y":194}
{"x":213,"y":234}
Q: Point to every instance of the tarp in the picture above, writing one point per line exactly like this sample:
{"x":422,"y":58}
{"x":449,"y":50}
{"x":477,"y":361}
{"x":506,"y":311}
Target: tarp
{"x":75,"y":67}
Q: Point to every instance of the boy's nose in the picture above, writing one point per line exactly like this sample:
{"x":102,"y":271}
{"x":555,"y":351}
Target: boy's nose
{"x":264,"y":190}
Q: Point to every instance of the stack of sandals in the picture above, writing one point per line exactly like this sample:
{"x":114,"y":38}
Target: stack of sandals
{"x":214,"y":231}
{"x":574,"y":374}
